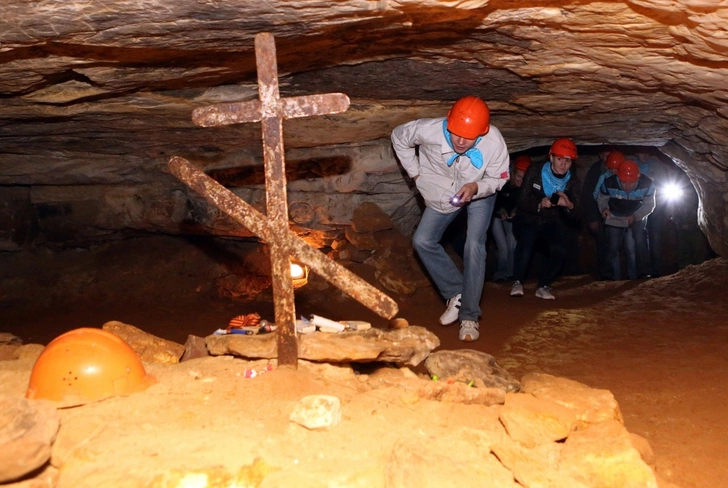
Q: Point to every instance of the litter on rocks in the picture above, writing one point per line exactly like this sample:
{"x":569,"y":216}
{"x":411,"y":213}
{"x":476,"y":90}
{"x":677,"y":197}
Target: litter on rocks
{"x":252,"y":324}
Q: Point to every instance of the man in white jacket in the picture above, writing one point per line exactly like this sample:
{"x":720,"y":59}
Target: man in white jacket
{"x":459,"y":161}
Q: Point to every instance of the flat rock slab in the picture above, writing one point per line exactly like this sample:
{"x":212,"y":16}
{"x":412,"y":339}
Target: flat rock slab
{"x":408,"y":346}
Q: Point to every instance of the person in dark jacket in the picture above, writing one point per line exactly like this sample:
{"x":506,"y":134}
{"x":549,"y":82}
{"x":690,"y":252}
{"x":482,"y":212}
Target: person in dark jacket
{"x":502,"y":226}
{"x":591,"y":215}
{"x":548,"y":201}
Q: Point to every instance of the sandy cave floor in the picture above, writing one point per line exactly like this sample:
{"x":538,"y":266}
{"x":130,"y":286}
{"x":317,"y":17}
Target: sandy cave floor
{"x":660,"y":346}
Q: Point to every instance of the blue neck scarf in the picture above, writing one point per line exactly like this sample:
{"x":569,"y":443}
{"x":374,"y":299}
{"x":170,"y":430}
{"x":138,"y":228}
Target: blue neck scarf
{"x":475,"y":156}
{"x":551,"y":182}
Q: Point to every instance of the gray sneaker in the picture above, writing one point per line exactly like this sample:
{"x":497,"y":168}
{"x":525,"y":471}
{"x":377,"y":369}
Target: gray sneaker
{"x":452,"y":311}
{"x":469,"y":331}
{"x":517,"y":290}
{"x":545,"y":293}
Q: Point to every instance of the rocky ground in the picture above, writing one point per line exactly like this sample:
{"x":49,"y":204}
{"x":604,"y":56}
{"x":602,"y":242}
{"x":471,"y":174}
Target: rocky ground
{"x":658,"y":346}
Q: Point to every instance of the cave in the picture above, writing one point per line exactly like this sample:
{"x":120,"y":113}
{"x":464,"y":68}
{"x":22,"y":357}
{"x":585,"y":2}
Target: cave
{"x":97,"y":97}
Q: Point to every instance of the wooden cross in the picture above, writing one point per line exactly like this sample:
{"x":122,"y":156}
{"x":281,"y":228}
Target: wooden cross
{"x":270,"y":110}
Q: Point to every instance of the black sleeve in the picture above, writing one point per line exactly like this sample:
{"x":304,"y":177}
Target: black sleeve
{"x":572,"y":191}
{"x":530,"y":195}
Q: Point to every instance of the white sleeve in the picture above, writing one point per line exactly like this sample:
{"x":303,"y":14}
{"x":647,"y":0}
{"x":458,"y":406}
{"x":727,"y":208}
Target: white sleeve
{"x":404,"y":140}
{"x":497,"y":170}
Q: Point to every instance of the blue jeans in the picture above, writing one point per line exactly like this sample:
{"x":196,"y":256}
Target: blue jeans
{"x":615,"y":236}
{"x":630,"y":255}
{"x":450,"y":281}
{"x":505,"y":243}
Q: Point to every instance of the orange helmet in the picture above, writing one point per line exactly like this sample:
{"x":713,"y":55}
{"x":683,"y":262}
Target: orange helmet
{"x":522,"y":162}
{"x":564,"y":148}
{"x":85,"y":365}
{"x":469,"y":118}
{"x":614,"y":159}
{"x":628,"y":172}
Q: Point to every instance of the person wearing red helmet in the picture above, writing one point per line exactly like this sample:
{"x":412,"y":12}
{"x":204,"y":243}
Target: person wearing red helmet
{"x":457,"y":162}
{"x":625,"y":200}
{"x":502,"y":226}
{"x":548,"y":203}
{"x":613,"y":161}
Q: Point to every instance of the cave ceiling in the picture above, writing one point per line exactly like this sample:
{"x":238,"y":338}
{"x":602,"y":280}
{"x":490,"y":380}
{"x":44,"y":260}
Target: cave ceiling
{"x":101,"y":93}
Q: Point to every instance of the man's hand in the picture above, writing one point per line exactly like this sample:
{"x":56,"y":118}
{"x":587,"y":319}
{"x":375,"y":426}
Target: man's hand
{"x":630,"y":220}
{"x":465,"y":195}
{"x":606,"y":213}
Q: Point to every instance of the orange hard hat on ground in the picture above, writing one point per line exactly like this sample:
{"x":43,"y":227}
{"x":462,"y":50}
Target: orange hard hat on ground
{"x":469,"y":118}
{"x":628,"y":172}
{"x":85,"y":365}
{"x":564,"y":148}
{"x":615,"y":159}
{"x":522,"y":162}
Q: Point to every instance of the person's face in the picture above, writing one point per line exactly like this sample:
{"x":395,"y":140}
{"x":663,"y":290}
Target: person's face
{"x":643,"y":156}
{"x":461,"y":144}
{"x":560,"y":165}
{"x":628,"y":186}
{"x":517,"y":178}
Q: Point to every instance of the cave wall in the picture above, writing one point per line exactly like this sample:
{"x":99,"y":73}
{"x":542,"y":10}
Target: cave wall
{"x":95,"y":97}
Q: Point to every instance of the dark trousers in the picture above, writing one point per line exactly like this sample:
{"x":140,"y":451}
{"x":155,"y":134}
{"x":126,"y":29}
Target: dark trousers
{"x":551,"y":236}
{"x":656,"y":232}
{"x":604,"y":267}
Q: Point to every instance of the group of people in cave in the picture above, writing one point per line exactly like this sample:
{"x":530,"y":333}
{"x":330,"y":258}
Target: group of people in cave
{"x":461,"y":162}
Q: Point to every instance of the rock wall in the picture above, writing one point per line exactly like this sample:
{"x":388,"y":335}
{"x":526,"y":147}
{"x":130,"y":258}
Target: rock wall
{"x":96,"y":97}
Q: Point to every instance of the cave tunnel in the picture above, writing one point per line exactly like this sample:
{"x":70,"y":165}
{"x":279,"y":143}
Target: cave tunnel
{"x":96,"y":97}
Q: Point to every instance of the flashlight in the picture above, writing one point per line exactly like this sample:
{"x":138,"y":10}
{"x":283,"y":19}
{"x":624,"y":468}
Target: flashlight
{"x":454,"y":199}
{"x":672,"y":191}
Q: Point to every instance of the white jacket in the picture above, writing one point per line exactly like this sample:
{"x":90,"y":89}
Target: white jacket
{"x":437,"y":182}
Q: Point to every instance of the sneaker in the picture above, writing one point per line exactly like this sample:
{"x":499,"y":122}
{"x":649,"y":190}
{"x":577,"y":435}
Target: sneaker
{"x":452,"y":311}
{"x":469,"y":331}
{"x":517,"y":290}
{"x":545,"y":293}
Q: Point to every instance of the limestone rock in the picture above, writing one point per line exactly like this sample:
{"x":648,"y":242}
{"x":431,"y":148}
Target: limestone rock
{"x":408,"y":346}
{"x":398,"y":323}
{"x":27,"y":431}
{"x":437,"y":458}
{"x":602,"y":456}
{"x":590,"y":404}
{"x":29,"y":351}
{"x":151,"y":349}
{"x":470,"y":365}
{"x":533,"y":421}
{"x":369,"y":218}
{"x":195,"y":347}
{"x":47,"y":477}
{"x":317,"y":412}
{"x":8,"y":339}
{"x":458,"y":392}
